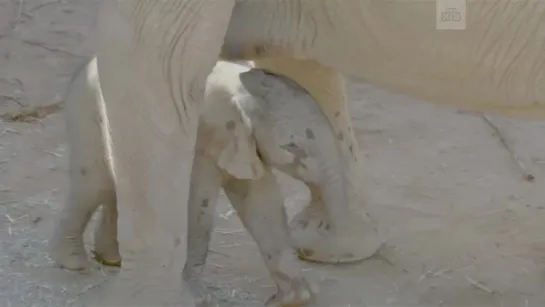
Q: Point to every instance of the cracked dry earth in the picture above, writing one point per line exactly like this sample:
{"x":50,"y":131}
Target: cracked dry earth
{"x":462,"y":226}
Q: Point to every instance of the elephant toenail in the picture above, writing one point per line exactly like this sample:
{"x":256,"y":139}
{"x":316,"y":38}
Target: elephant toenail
{"x":307,"y":252}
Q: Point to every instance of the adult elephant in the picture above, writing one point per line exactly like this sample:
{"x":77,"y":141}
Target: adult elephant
{"x":154,"y":57}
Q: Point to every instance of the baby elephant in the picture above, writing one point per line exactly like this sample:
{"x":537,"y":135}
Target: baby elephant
{"x":252,"y":121}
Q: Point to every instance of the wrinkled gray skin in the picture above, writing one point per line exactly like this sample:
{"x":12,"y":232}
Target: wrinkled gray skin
{"x":154,"y":58}
{"x":252,"y":121}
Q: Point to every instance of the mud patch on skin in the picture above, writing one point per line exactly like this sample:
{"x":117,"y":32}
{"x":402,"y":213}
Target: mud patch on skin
{"x":310,"y":134}
{"x":230,"y":125}
{"x":83,"y":171}
{"x":235,"y":144}
{"x":204,"y":203}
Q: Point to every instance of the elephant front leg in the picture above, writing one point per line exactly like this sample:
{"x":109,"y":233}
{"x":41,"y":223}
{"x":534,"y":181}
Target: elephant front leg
{"x":260,"y":206}
{"x":152,"y":179}
{"x":152,"y":170}
{"x":153,"y":60}
{"x":351,"y":234}
{"x":203,"y":195}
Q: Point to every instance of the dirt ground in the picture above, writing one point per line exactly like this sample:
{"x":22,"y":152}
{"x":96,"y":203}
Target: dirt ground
{"x":462,"y":226}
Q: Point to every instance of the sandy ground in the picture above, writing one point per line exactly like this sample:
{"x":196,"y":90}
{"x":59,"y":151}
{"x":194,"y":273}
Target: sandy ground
{"x":462,"y":226}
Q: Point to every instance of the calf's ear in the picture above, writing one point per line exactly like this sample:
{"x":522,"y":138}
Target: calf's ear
{"x":239,"y":157}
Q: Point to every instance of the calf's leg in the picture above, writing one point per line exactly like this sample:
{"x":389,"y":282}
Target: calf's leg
{"x":203,"y":195}
{"x":259,"y":204}
{"x":353,"y":233}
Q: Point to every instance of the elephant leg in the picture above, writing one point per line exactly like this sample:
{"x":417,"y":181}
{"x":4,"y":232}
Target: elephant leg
{"x":91,"y":182}
{"x":259,"y":204}
{"x":206,"y":180}
{"x":153,"y":61}
{"x":205,"y":184}
{"x":352,"y":234}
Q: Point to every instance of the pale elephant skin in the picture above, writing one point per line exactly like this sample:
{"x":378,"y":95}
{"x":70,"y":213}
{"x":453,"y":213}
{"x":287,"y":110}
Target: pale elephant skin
{"x":496,"y":64}
{"x":252,"y":121}
{"x":91,"y":178}
{"x":154,"y":57}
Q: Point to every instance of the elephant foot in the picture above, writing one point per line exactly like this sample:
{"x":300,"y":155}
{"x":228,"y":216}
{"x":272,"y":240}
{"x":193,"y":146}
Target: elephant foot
{"x":69,"y":255}
{"x":113,"y":260}
{"x":316,"y":239}
{"x":200,"y":293}
{"x":106,"y":251}
{"x":292,"y":289}
{"x":298,"y":294}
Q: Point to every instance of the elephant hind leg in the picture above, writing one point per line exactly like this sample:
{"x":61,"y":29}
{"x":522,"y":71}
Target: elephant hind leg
{"x":352,"y":233}
{"x":91,"y":182}
{"x":260,"y":205}
{"x":318,"y":239}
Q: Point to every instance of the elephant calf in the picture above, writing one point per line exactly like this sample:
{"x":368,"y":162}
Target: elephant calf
{"x":252,"y":121}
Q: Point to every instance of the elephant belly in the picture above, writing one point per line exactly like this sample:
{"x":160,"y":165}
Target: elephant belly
{"x":497,"y":63}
